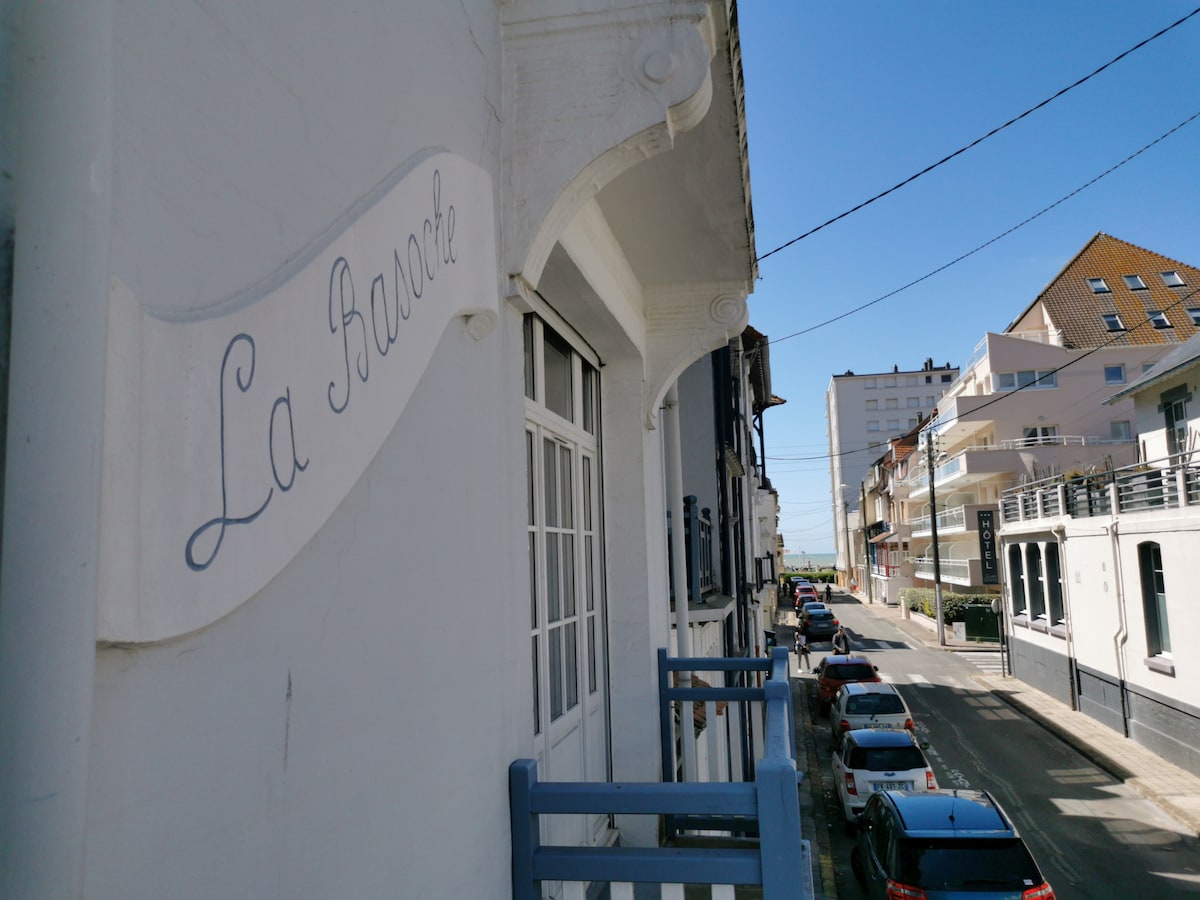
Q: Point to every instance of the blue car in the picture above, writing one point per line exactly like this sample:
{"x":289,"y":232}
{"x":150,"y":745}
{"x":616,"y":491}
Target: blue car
{"x":943,"y":845}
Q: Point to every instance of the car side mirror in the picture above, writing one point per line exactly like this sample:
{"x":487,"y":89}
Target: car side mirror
{"x":876,"y":668}
{"x":924,"y":745}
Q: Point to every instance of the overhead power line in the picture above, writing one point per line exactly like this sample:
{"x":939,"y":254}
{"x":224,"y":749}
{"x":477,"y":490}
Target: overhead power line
{"x":980,"y":140}
{"x":988,"y":243}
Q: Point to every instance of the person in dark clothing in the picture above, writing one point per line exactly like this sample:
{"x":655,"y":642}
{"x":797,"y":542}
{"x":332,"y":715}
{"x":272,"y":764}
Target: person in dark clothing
{"x":828,"y":593}
{"x":841,"y":641}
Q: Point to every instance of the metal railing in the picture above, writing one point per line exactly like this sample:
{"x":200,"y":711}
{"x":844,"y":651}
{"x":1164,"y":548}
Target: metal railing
{"x":776,"y":859}
{"x":949,"y":568}
{"x":1169,"y":483}
{"x":947,"y":519}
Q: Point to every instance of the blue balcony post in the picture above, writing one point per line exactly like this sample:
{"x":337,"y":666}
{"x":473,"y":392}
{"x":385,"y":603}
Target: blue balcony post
{"x":526,"y":833}
{"x":778,"y":803}
{"x":666,"y":737}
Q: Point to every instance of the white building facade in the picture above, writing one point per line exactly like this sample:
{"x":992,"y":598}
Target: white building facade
{"x":338,"y":457}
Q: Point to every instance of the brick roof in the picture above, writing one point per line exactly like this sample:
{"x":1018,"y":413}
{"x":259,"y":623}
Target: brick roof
{"x":1071,"y":306}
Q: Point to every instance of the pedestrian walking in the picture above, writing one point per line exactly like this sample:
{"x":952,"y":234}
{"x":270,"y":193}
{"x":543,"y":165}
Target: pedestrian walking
{"x":802,"y":659}
{"x":828,"y":593}
{"x":841,"y":641}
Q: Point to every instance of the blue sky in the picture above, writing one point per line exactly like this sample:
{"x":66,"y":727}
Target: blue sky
{"x":846,"y":99}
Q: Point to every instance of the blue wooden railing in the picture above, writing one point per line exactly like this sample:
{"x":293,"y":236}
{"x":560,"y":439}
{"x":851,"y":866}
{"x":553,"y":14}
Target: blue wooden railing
{"x":778,"y":861}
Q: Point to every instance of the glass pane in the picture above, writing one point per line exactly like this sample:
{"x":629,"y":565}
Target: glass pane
{"x":568,"y":574}
{"x":587,"y":494}
{"x":571,"y":665}
{"x":592,"y":654}
{"x":556,"y":673}
{"x":591,"y":391}
{"x":589,"y":572}
{"x":537,"y":689}
{"x":556,"y":354}
{"x":550,"y":481}
{"x":567,"y":496}
{"x":531,"y":494}
{"x":530,"y":380}
{"x":533,"y":610}
{"x":553,"y":596}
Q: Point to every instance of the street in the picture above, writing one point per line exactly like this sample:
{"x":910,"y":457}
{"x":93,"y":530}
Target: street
{"x":1092,"y":836}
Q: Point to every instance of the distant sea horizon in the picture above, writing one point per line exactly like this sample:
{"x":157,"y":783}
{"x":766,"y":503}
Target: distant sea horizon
{"x":816,"y":560}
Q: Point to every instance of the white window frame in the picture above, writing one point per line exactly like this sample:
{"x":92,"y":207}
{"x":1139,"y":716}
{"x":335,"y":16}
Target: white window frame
{"x":1099,"y":286}
{"x":1134,"y":282}
{"x":1114,"y":374}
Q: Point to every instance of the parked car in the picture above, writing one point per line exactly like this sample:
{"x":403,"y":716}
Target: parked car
{"x":943,"y":845}
{"x":805,"y":591}
{"x":869,"y":760}
{"x":822,"y":625}
{"x":810,"y":606}
{"x":868,"y":705}
{"x":834,"y":671}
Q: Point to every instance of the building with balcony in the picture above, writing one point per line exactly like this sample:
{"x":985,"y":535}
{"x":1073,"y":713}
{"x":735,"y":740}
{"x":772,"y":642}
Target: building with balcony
{"x":1101,"y":592}
{"x":344,"y":414}
{"x":862,"y":412}
{"x":1028,"y":405}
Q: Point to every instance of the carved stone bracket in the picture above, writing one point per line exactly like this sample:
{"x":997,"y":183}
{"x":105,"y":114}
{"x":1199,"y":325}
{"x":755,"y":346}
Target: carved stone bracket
{"x":682,"y":325}
{"x":592,"y":94}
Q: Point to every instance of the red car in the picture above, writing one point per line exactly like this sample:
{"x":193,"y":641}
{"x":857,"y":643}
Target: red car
{"x":805,"y":592}
{"x":834,"y":671}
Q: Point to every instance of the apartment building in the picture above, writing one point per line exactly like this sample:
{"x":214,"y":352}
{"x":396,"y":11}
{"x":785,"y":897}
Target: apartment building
{"x":1101,"y":582}
{"x":862,"y":412}
{"x":1030,"y":406}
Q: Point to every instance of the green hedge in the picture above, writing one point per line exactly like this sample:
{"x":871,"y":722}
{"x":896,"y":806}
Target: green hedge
{"x":818,"y":576}
{"x":923,"y":600}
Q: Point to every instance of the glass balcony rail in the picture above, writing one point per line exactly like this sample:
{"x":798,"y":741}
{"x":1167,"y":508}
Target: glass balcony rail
{"x":751,"y":829}
{"x":947,"y":518}
{"x":954,"y":569}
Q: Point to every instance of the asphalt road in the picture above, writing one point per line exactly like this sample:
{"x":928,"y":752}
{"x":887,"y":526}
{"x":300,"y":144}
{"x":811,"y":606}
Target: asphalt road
{"x":1093,"y":837}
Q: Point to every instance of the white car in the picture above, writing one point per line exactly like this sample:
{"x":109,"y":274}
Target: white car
{"x":869,"y":760}
{"x":868,"y":705}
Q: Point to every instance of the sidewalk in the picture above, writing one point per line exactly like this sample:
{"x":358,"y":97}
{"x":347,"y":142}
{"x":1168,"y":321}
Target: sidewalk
{"x":1174,"y":790}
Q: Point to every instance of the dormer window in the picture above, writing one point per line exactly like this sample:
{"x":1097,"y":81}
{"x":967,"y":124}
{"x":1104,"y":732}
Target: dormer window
{"x":1098,"y":285}
{"x":1157,"y":318}
{"x":1113,"y":322}
{"x":1171,"y":279}
{"x":1134,"y":282}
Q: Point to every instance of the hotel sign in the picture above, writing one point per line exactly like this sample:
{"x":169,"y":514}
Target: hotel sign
{"x":987,"y":546}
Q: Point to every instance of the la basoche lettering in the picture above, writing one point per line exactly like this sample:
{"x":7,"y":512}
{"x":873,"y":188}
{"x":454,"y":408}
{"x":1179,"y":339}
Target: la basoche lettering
{"x":363,"y":336}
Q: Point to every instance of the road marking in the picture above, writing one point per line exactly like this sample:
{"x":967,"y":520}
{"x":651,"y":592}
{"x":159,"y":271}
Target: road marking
{"x":989,"y":661}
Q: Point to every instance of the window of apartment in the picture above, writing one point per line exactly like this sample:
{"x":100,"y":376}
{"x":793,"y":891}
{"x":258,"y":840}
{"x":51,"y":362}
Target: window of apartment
{"x":1171,"y":279}
{"x":1193,"y":314}
{"x":1158,"y":318}
{"x":1035,"y":581}
{"x":1175,"y":415}
{"x":1134,"y":282}
{"x":914,"y":402}
{"x":873,"y":425}
{"x":1114,"y":374}
{"x":1040,"y":434}
{"x":893,"y":403}
{"x":890,"y":381}
{"x":931,"y":402}
{"x":910,"y":380}
{"x":869,"y":384}
{"x":946,"y":379}
{"x":1154,"y":599}
{"x":1120,"y":430}
{"x":1113,"y":322}
{"x":893,"y":424}
{"x":1016,"y":579}
{"x":1054,"y":587}
{"x":872,"y":404}
{"x":563,"y":525}
{"x":1026,"y":379}
{"x":1098,"y":285}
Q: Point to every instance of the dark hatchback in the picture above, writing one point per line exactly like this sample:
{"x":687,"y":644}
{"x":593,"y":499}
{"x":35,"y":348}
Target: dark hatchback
{"x":822,"y":625}
{"x":943,"y":845}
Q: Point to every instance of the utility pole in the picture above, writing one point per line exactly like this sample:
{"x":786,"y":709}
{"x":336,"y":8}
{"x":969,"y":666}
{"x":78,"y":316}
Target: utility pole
{"x":937,"y":560}
{"x":862,"y":520}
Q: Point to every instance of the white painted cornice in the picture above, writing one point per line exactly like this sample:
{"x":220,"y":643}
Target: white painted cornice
{"x":592,"y":93}
{"x":683,"y":323}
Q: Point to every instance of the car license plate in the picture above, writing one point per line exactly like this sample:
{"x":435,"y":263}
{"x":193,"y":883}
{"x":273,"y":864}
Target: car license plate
{"x":891,"y":785}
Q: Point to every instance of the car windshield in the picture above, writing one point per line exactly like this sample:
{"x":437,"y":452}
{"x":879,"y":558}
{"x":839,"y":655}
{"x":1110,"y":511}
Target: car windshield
{"x":967,"y":864}
{"x":850,"y":672}
{"x":822,"y":615}
{"x":874,"y":705}
{"x":887,"y":759}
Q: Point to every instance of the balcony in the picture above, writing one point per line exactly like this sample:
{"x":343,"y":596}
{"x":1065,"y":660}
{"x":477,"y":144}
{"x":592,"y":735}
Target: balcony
{"x":955,"y":571}
{"x":718,"y":835}
{"x":956,"y":520}
{"x":1160,"y":487}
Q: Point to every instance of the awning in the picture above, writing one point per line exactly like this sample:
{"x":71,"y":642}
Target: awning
{"x":880,"y":538}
